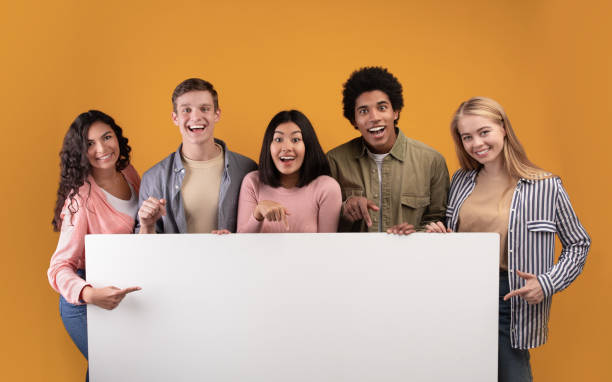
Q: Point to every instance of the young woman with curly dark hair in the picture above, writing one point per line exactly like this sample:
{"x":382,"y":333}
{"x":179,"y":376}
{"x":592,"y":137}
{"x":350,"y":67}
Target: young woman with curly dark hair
{"x":97,"y":194}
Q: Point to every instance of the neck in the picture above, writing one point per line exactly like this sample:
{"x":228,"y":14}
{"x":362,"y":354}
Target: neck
{"x":203,"y":152}
{"x":495,"y":168}
{"x":104,"y":176}
{"x":289,"y":181}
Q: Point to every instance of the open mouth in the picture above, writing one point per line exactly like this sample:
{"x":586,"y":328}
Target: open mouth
{"x":287,"y":159}
{"x":377,"y":131}
{"x":195,"y":128}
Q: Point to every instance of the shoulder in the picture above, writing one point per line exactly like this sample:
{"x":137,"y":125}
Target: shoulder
{"x":160,"y":167}
{"x":350,"y":148}
{"x":324,"y":184}
{"x":240,"y":161}
{"x":131,"y":175}
{"x":252,"y":178}
{"x":420,"y":148}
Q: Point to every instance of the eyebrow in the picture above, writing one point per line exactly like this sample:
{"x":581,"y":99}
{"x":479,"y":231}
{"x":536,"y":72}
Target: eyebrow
{"x":383,"y":102}
{"x":479,"y":130}
{"x":293,"y":132}
{"x":91,"y":140}
{"x":188,"y":104}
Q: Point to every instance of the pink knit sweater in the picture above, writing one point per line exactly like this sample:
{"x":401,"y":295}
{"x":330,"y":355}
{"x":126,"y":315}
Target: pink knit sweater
{"x":313,"y":208}
{"x":94,"y":216}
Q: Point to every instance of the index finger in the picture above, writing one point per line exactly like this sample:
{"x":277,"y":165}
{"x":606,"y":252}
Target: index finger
{"x":516,"y":292}
{"x":363,"y":208}
{"x":284,"y":219}
{"x":129,"y":290}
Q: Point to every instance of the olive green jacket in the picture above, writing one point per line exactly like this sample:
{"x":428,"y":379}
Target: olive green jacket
{"x":415,"y":183}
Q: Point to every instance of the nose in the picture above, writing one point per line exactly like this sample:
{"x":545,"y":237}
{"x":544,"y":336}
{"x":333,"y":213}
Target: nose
{"x":99,"y":146}
{"x":374,"y":115}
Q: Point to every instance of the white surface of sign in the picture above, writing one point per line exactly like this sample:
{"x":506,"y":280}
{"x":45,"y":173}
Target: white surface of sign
{"x":296,"y":307}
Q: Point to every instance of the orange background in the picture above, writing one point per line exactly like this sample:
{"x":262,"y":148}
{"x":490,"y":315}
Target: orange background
{"x":547,"y":62}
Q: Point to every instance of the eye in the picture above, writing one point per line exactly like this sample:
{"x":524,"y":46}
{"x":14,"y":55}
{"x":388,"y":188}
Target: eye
{"x":382,"y":107}
{"x":277,"y":140}
{"x":90,"y":143}
{"x":107,"y":137}
{"x":484,"y":133}
{"x":362,"y":111}
{"x":296,"y":139}
{"x":205,"y":109}
{"x":187,"y":110}
{"x":466,"y":138}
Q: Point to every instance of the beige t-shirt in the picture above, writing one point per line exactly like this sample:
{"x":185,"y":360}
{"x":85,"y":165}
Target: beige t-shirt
{"x":487,"y":210}
{"x":200,"y":192}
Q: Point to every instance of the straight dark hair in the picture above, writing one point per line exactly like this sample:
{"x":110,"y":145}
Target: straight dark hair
{"x":315,"y":162}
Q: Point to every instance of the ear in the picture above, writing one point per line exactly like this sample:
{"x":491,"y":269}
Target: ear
{"x":395,"y":115}
{"x":217,"y":115}
{"x":174,"y":117}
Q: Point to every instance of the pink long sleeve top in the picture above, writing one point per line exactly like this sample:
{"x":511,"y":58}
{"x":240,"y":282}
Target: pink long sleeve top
{"x":95,"y":215}
{"x":312,"y":208}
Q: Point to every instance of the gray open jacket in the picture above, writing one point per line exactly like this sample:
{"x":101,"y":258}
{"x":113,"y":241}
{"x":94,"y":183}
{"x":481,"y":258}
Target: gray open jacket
{"x":165,"y":179}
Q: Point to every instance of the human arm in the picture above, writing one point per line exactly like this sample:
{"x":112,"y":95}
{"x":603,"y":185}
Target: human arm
{"x":107,"y":297}
{"x":438,"y":192}
{"x":329,"y":201}
{"x":70,"y":253}
{"x":150,"y":211}
{"x":252,"y":211}
{"x":153,"y":210}
{"x":575,"y":245}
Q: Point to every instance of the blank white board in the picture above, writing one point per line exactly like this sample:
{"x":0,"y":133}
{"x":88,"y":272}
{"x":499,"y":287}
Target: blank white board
{"x":296,"y":307}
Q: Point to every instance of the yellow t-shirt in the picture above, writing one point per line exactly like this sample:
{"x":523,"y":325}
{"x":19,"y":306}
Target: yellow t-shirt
{"x":200,"y":192}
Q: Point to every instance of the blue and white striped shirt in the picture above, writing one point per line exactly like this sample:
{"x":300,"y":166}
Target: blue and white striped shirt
{"x":539,"y":209}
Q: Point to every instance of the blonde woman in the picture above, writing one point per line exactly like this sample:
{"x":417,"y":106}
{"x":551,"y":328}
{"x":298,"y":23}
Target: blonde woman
{"x":499,"y":190}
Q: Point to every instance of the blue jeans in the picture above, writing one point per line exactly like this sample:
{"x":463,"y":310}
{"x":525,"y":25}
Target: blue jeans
{"x":513,"y":364}
{"x":74,"y":318}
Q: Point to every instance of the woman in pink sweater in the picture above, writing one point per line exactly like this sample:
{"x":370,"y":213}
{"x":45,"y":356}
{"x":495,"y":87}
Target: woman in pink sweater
{"x":292,"y":190}
{"x":98,"y":193}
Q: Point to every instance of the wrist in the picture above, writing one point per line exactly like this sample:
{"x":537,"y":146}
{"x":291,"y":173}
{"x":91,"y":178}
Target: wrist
{"x":147,"y":228}
{"x":86,"y":294}
{"x":258,"y":215}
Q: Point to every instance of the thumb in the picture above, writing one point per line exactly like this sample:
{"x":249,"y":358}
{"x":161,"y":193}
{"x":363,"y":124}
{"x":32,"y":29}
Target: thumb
{"x":524,"y":275}
{"x":372,"y":205}
{"x":162,"y":202}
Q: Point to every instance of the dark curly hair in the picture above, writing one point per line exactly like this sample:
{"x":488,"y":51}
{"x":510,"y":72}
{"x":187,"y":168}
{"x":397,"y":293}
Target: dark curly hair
{"x":315,"y":162}
{"x":368,"y":79}
{"x":74,"y":165}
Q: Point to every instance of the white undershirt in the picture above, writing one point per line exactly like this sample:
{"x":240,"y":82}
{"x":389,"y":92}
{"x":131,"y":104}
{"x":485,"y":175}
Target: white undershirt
{"x":128,"y":207}
{"x":379,"y":158}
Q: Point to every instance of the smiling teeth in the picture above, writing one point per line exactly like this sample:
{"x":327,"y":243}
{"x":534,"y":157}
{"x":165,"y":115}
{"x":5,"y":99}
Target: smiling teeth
{"x":287,"y":158}
{"x":482,"y":152}
{"x":194,"y":127}
{"x":375,"y":129}
{"x":105,"y":157}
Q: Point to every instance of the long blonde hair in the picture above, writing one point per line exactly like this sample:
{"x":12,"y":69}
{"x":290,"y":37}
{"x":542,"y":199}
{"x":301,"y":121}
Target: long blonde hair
{"x":515,"y":159}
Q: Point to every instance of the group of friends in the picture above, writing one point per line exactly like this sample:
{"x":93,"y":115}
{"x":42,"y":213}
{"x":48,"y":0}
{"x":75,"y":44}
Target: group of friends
{"x":381,"y":181}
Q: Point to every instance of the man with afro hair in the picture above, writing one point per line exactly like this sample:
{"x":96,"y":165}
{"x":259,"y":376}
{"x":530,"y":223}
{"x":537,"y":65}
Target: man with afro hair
{"x":390,"y":183}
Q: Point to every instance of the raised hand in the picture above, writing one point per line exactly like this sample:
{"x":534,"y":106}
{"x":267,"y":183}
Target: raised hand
{"x":151,"y":210}
{"x":531,"y":292}
{"x":107,"y":297}
{"x":271,"y":211}
{"x":356,"y":208}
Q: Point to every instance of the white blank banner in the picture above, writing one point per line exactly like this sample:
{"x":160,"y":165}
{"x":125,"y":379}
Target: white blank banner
{"x":295,"y":308}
